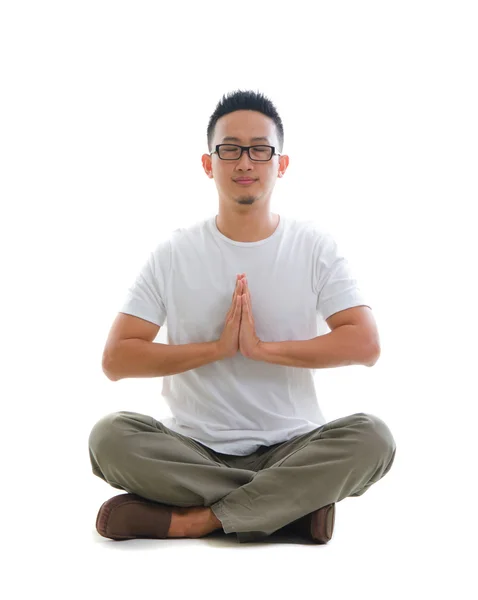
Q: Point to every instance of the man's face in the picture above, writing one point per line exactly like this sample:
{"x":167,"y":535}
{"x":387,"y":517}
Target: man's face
{"x":245,"y":125}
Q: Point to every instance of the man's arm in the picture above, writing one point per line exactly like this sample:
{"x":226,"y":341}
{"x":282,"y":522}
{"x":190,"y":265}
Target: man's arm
{"x":345,"y":345}
{"x":139,"y":358}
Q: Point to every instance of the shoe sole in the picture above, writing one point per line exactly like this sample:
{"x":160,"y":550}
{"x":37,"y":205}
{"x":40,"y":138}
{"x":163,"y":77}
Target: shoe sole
{"x":322,"y":524}
{"x":129,"y":516}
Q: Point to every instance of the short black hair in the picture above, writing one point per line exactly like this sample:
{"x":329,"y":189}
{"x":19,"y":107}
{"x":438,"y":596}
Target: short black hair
{"x":245,"y":100}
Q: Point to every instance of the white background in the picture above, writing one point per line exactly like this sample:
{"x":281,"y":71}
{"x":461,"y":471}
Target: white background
{"x":104,"y":110}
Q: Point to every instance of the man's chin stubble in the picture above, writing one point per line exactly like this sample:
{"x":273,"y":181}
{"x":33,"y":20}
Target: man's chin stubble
{"x":246,"y":199}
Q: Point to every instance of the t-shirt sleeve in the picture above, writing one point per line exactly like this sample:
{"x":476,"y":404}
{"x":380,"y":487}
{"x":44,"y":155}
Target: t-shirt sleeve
{"x":145,"y":297}
{"x":336,"y":286}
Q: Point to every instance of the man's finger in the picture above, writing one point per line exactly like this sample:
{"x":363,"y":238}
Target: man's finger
{"x":236,"y":288}
{"x":246,"y":288}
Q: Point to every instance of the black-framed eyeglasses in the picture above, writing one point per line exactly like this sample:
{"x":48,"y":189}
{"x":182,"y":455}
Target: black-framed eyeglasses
{"x":256,"y":153}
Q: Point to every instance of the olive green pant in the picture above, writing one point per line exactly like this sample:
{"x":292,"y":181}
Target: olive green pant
{"x":253,"y":495}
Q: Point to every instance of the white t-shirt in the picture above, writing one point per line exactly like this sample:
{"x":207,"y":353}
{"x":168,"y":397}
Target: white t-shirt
{"x":296,"y":275}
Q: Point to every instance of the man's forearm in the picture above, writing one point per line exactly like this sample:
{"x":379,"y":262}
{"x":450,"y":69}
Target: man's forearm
{"x":139,"y":358}
{"x":346,"y":345}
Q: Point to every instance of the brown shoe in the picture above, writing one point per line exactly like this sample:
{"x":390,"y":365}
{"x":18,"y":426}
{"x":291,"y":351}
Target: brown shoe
{"x":130,"y":516}
{"x":317,"y":526}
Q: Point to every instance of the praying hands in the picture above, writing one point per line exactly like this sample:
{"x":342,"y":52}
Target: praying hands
{"x":239,"y":330}
{"x":248,"y":341}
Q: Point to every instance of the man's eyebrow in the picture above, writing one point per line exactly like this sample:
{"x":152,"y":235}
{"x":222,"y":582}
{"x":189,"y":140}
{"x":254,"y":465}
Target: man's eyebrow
{"x":230,"y":138}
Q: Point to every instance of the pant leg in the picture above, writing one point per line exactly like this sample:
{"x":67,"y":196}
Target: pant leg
{"x":340,"y":459}
{"x":137,"y":453}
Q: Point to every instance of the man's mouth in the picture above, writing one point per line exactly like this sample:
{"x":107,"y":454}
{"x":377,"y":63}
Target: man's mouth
{"x":245,"y":180}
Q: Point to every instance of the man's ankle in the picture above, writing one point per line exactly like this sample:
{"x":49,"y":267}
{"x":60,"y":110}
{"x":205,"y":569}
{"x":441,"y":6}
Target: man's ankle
{"x":215,"y":520}
{"x":193,"y":522}
{"x":179,"y":524}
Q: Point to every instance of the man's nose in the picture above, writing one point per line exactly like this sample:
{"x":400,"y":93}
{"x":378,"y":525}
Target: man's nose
{"x":244,"y":160}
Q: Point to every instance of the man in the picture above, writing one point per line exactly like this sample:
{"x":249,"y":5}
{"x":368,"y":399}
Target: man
{"x":248,"y":449}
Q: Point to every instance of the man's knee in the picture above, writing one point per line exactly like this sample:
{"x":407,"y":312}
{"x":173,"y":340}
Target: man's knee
{"x":105,"y":435}
{"x":377,"y":437}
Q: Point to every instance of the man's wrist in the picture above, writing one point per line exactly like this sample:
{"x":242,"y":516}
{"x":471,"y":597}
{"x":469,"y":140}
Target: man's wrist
{"x":219,"y":352}
{"x":259,"y":351}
